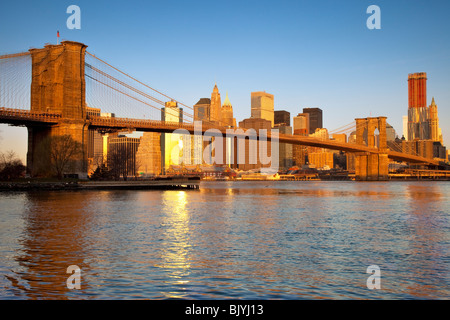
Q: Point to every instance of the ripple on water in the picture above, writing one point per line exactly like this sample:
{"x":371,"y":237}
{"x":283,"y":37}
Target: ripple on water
{"x":243,"y":240}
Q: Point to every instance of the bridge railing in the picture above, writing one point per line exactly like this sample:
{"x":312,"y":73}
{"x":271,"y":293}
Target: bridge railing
{"x":20,"y":114}
{"x":139,"y":123}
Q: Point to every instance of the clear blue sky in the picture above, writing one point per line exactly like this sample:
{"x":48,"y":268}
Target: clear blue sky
{"x":307,"y":53}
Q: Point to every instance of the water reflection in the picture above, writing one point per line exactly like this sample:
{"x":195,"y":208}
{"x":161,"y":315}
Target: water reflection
{"x":52,"y":240}
{"x":427,"y":239}
{"x":229,"y":240}
{"x":175,"y":242}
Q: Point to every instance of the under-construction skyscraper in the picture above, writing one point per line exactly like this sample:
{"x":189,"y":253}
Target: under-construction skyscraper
{"x":418,"y":113}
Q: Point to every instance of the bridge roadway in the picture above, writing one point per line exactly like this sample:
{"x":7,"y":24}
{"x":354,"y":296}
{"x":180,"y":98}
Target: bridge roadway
{"x":19,"y":117}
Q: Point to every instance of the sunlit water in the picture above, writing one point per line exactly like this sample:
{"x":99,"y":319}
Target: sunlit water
{"x":241,"y":240}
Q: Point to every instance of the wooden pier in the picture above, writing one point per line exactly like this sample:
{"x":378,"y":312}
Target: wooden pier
{"x":159,"y":184}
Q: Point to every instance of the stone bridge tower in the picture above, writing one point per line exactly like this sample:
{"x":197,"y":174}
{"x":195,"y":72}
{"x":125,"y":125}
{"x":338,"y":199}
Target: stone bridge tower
{"x":58,"y":86}
{"x":372,"y":166}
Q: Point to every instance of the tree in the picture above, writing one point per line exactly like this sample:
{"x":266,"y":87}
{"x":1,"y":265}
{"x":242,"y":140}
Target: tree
{"x":11,"y":167}
{"x":61,"y":151}
{"x":122,"y":161}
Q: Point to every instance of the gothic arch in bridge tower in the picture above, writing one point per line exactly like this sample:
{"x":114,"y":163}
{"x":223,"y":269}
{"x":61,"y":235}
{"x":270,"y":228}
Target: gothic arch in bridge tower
{"x":372,"y":166}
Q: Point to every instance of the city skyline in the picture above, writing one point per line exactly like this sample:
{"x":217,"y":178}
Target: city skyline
{"x":201,"y":151}
{"x":351,"y":71}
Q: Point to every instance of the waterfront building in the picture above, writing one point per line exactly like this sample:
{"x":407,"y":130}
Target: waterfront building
{"x":252,"y":148}
{"x":94,"y":143}
{"x":171,"y":144}
{"x":122,"y":155}
{"x":148,"y":155}
{"x":285,"y":149}
{"x":321,"y":160}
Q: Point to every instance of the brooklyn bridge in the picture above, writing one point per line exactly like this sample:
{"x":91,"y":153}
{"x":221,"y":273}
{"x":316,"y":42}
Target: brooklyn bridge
{"x":46,"y":90}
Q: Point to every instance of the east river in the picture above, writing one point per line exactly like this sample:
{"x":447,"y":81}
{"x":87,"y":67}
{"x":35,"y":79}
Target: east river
{"x":229,"y":240}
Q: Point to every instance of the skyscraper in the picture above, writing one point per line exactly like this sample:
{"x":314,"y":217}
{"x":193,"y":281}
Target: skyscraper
{"x":229,"y":122}
{"x":202,"y":110}
{"x":315,"y":118}
{"x":405,"y":127}
{"x":262,"y":104}
{"x":170,"y":142}
{"x":418,"y":124}
{"x":252,"y":155}
{"x":301,"y":127}
{"x":435,"y":133}
{"x":285,"y":149}
{"x":417,"y":90}
{"x":283,"y":117}
{"x":216,"y":106}
{"x":227,"y":113}
{"x":95,"y":143}
{"x":122,"y":155}
{"x":211,"y":112}
{"x":424,"y":134}
{"x":301,"y":124}
{"x":148,"y":155}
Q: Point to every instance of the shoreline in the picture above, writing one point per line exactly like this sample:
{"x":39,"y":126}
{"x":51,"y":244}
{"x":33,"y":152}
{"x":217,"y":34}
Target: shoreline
{"x":159,"y":184}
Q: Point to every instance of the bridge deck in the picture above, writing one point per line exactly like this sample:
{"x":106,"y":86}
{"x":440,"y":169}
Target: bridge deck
{"x":27,"y":117}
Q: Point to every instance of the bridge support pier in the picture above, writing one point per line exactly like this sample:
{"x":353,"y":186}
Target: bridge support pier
{"x":58,"y":86}
{"x":41,"y":144}
{"x":372,"y":166}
